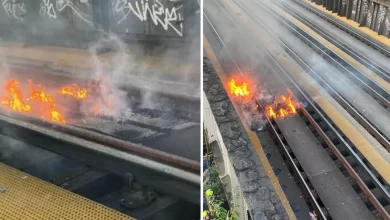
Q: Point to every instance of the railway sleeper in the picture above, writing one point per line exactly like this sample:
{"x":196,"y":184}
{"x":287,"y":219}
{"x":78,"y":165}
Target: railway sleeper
{"x":325,"y":211}
{"x":304,"y":176}
{"x":352,"y":161}
{"x":317,"y":118}
{"x":354,"y":184}
{"x":331,"y":154}
{"x":323,"y":125}
{"x":315,"y":194}
{"x":377,"y":194}
{"x":332,"y":137}
{"x":343,"y":150}
{"x":365,"y":177}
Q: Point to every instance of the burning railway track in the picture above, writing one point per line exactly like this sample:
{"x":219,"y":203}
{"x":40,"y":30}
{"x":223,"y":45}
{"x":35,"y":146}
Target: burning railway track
{"x":330,"y":139}
{"x":39,"y":102}
{"x":376,"y":91}
{"x":279,"y":108}
{"x":108,"y":153}
{"x":361,"y":177}
{"x":47,"y":117}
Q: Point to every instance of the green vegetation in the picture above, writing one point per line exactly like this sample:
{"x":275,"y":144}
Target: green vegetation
{"x":214,"y":190}
{"x":217,"y":211}
{"x":214,"y":184}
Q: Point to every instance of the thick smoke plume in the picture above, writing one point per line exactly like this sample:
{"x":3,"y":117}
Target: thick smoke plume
{"x":111,"y":100}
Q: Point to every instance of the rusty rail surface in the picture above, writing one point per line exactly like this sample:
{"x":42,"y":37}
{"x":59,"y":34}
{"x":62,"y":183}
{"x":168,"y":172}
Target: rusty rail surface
{"x":125,"y":146}
{"x":306,"y":187}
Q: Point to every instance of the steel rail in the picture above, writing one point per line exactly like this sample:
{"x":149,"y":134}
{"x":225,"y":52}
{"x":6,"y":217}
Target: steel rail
{"x":375,"y":90}
{"x":360,"y":36}
{"x":378,"y":135}
{"x":115,"y":143}
{"x":305,"y":187}
{"x":348,"y":167}
{"x":369,"y":63}
{"x":161,"y":176}
{"x":357,"y":115}
{"x":369,"y":194}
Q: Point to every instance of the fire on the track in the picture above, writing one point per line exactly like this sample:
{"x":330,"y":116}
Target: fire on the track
{"x":38,"y":101}
{"x":241,"y":87}
{"x":283,"y":107}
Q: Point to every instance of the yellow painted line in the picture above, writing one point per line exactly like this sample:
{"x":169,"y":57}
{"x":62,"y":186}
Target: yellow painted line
{"x":252,"y":135}
{"x":354,"y":25}
{"x":26,"y":197}
{"x":321,"y":98}
{"x":371,"y":75}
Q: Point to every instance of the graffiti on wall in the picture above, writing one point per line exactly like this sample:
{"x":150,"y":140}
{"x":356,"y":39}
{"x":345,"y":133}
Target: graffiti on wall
{"x":14,"y":9}
{"x":51,"y":9}
{"x":381,"y":15}
{"x":160,"y":14}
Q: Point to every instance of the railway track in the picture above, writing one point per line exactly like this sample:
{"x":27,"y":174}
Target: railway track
{"x":106,"y":152}
{"x":183,"y":106}
{"x":364,"y":179}
{"x":376,"y":91}
{"x":366,"y":61}
{"x":141,"y":151}
{"x":361,"y":37}
{"x":368,"y":86}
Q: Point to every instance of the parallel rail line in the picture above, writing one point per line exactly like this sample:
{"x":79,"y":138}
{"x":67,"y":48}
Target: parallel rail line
{"x":168,"y":173}
{"x":372,"y":88}
{"x":376,"y":45}
{"x":366,"y":61}
{"x":338,"y":63}
{"x":348,"y":106}
{"x":338,"y":146}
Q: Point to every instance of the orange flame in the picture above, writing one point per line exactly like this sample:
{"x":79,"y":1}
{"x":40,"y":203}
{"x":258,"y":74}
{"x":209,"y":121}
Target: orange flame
{"x":40,"y":95}
{"x":39,"y":101}
{"x":14,"y":100}
{"x":238,"y":90}
{"x":75,"y":91}
{"x":283,"y":108}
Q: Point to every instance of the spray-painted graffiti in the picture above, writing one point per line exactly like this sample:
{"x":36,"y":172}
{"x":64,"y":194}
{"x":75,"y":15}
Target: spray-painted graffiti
{"x":14,"y":9}
{"x":381,"y":16}
{"x":365,"y":7}
{"x":153,"y":9}
{"x":387,"y":22}
{"x":47,"y":9}
{"x":369,"y":14}
{"x":52,"y":8}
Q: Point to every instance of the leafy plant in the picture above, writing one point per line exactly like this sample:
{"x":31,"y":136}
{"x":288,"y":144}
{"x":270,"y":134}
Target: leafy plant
{"x":217,"y":211}
{"x":214,"y":184}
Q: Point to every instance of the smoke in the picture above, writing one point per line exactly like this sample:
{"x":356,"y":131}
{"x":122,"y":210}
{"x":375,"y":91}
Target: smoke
{"x":124,"y":75}
{"x":21,"y":155}
{"x":110,"y":99}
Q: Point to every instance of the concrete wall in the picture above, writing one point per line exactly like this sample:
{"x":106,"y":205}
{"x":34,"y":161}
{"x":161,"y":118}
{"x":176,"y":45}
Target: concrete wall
{"x":229,"y":176}
{"x":133,"y":19}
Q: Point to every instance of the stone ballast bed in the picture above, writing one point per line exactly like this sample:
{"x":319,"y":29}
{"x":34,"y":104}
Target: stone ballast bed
{"x":255,"y":185}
